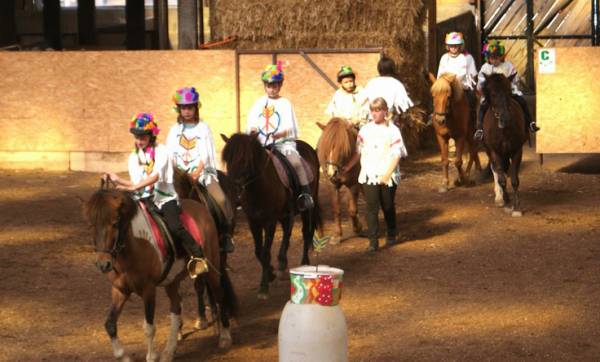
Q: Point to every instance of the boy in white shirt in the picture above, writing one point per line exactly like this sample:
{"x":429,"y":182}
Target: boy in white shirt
{"x":273,"y":119}
{"x":151,"y":177}
{"x":347,"y":101}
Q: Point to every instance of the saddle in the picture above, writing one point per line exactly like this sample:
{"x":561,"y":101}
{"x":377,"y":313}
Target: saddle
{"x":149,"y":224}
{"x":286,"y":171}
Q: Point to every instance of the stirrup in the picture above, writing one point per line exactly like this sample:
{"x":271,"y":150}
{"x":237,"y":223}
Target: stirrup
{"x":197,"y":266}
{"x":533,"y":127}
{"x":478,"y":136}
{"x":305,"y":202}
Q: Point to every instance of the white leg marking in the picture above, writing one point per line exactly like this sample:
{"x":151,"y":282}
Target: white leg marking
{"x":499,"y":200}
{"x":225,"y":338}
{"x":118,"y":350}
{"x":149,"y":332}
{"x":169,"y":350}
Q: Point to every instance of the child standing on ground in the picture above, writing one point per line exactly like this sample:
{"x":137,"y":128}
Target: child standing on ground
{"x":346,"y":102}
{"x":192,"y":147}
{"x":379,"y":148}
{"x":151,"y":180}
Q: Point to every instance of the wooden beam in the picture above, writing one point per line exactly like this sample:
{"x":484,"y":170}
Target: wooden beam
{"x":8,"y":25}
{"x":432,"y":36}
{"x":86,"y":21}
{"x":187,"y":23}
{"x":51,"y":15}
{"x":136,"y":24}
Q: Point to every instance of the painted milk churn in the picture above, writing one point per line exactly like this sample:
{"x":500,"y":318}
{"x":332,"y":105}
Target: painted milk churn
{"x":312,"y":326}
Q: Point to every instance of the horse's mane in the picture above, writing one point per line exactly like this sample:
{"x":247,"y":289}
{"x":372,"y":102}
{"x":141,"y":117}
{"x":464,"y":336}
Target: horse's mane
{"x":242,"y":150}
{"x":98,"y":207}
{"x":448,"y":83}
{"x":497,"y":81}
{"x":337,"y":138}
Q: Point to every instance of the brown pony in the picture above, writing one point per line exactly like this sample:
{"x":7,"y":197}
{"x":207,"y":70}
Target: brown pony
{"x":133,"y":266}
{"x":504,"y":135}
{"x":336,"y":146}
{"x":266,"y":201}
{"x":453,"y":119}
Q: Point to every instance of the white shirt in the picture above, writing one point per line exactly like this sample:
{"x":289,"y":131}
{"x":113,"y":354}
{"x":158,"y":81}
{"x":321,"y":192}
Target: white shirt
{"x":141,"y":166}
{"x":391,"y":90}
{"x":378,"y":145}
{"x":190,"y":144}
{"x":347,"y":105}
{"x":463,"y":65}
{"x":505,"y":68}
{"x":270,"y":116}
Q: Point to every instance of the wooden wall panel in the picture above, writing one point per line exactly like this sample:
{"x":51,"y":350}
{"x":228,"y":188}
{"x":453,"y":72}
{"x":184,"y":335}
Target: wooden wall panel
{"x":568,"y":103}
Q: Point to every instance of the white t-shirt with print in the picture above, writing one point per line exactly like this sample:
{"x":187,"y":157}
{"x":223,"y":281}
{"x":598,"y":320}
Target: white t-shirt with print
{"x":378,"y":145}
{"x":190,"y":144}
{"x":270,"y":116}
{"x":141,"y":166}
{"x":505,"y":68}
{"x":391,"y":90}
{"x":347,"y":105}
{"x":463,"y":65}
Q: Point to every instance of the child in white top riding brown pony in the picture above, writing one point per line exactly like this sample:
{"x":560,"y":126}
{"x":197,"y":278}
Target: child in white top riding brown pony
{"x":494,"y":52}
{"x":457,"y":61}
{"x":151,"y":180}
{"x":273,"y":120}
{"x":347,"y":101}
{"x":192,"y":147}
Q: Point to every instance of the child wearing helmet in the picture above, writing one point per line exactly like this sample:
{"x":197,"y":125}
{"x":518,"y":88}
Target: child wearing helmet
{"x":346,"y":102}
{"x":388,"y":87}
{"x":151,"y":180}
{"x":273,"y":119}
{"x":494,"y":54}
{"x":461,"y":63}
{"x":192,"y":148}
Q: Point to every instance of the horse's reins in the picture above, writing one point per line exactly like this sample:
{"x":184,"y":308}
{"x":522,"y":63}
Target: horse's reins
{"x":243,"y":185}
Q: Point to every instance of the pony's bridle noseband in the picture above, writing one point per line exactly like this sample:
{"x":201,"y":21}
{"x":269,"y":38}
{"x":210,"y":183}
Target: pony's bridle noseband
{"x":118,"y":242}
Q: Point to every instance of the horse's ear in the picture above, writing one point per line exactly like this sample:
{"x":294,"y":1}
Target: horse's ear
{"x":512,"y":76}
{"x":224,"y":138}
{"x":320,"y":125}
{"x":432,"y":78}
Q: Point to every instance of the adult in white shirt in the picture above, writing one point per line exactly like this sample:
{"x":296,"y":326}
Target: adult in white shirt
{"x":389,"y":88}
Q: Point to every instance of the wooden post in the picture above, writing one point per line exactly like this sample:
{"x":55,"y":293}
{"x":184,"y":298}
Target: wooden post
{"x":187,"y":16}
{"x":530,"y":40}
{"x":161,"y":23}
{"x":136,"y":24}
{"x":595,"y":23}
{"x":8,"y":27}
{"x":52,"y":33}
{"x":86,"y":21}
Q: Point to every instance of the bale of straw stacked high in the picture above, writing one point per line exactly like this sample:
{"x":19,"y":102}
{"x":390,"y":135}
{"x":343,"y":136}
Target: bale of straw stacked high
{"x":395,"y":25}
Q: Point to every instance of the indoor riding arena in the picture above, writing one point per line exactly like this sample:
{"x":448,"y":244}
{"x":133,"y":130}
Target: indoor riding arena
{"x":467,"y":280}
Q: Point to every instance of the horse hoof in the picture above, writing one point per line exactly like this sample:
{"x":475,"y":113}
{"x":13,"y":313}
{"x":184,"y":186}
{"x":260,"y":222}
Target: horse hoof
{"x":357,"y":229}
{"x":263,"y":296}
{"x":499,"y":203}
{"x":508,"y":209}
{"x":516,"y":213}
{"x":281,"y":274}
{"x":125,"y":359}
{"x":458,"y":183}
{"x":443,"y":189}
{"x":335,"y":240}
{"x":201,"y":324}
{"x":166,"y":356}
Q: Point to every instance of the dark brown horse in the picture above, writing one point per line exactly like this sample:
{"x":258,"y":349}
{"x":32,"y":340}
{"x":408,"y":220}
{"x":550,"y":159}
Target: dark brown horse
{"x":453,"y":119}
{"x":504,"y":135}
{"x":266,"y":201}
{"x":133,"y":265}
{"x":336,"y":146}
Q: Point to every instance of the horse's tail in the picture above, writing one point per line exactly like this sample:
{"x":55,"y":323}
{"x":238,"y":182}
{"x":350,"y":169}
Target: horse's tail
{"x":230,"y":301}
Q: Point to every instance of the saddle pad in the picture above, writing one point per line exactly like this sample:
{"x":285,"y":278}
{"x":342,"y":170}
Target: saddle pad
{"x":144,"y":227}
{"x":190,"y":225}
{"x":280,"y":168}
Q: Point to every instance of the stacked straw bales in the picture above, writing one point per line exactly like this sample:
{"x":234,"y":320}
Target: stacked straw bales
{"x":397,"y":26}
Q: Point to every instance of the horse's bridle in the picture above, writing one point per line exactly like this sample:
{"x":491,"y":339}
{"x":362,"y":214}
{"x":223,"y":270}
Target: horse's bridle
{"x":118,"y":242}
{"x":242,"y":183}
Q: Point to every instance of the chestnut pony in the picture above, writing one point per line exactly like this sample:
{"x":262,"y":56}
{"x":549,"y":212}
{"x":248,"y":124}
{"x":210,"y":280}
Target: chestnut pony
{"x":453,"y":118}
{"x":132,"y":265}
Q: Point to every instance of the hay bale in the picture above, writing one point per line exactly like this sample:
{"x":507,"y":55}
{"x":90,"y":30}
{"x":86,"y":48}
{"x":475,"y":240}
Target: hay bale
{"x":397,"y":26}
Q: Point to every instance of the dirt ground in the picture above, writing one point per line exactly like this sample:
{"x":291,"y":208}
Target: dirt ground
{"x":468,"y":283}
